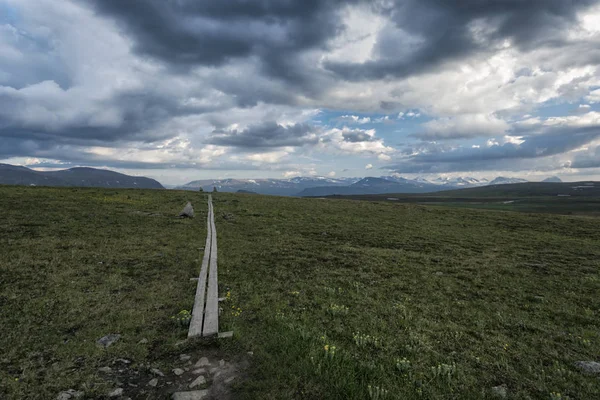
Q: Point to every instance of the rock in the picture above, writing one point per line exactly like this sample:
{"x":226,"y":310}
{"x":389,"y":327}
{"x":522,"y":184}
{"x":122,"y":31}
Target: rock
{"x":153,"y":382}
{"x":201,"y":380}
{"x":221,"y":363}
{"x":123,"y":360}
{"x":213,"y":370}
{"x":157,"y":371}
{"x":106,"y":370}
{"x":188,"y":211}
{"x":203,"y":362}
{"x":250,"y":353}
{"x":199,"y":371}
{"x":193,"y":395}
{"x":184,"y":357}
{"x":69,"y":394}
{"x":143,"y":341}
{"x":178,"y":371}
{"x":229,"y":380}
{"x":588,"y":367}
{"x":116,"y":393}
{"x":108,"y":340}
{"x":500,"y":391}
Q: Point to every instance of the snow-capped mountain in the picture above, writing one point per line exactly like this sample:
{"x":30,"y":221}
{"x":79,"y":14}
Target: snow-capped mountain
{"x":501,"y":180}
{"x":323,"y":186}
{"x":280,"y":187}
{"x":459,"y":181}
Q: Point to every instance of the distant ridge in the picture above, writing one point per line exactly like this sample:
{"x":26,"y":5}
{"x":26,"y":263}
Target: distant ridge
{"x":79,"y":176}
{"x":553,"y":179}
{"x":501,"y":180}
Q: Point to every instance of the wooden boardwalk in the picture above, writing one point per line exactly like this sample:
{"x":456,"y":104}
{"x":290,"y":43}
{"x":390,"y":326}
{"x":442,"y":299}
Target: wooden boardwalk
{"x":205,"y":314}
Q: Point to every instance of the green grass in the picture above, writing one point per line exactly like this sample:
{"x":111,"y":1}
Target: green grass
{"x":77,"y":264}
{"x":336,"y":299}
{"x":454,"y":301}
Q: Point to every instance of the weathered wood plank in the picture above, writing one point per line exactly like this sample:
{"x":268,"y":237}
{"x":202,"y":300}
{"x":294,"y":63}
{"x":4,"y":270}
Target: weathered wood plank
{"x":211,"y":316}
{"x":199,"y":301}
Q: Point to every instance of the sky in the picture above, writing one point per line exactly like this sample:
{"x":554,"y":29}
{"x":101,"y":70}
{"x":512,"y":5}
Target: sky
{"x":179,"y":90}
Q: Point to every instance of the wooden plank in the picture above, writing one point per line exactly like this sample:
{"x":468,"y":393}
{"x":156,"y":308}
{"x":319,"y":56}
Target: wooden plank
{"x":199,"y":301}
{"x":211,"y":315}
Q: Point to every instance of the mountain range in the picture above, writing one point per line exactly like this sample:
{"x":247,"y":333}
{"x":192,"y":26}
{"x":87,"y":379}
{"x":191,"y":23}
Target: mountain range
{"x":321,"y":186}
{"x":298,"y":186}
{"x":80,"y":176}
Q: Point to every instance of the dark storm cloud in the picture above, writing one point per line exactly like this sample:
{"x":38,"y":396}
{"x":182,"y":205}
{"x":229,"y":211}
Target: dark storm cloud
{"x":507,"y":156}
{"x":438,"y":30}
{"x":140,"y":113}
{"x":189,"y":33}
{"x":589,"y":159}
{"x":266,"y":135}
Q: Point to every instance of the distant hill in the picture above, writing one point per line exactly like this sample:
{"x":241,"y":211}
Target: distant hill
{"x":81,"y":177}
{"x":554,"y":179}
{"x":529,"y":189}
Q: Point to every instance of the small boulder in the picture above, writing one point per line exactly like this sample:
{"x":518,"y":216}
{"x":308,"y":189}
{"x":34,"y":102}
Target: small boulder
{"x":184,"y":357}
{"x":193,"y":395}
{"x":70,"y":394}
{"x":153,"y":382}
{"x":203,"y":362}
{"x":588,"y":367}
{"x":108,"y":340}
{"x":201,"y":380}
{"x":188,"y":211}
{"x":157,"y":371}
{"x":178,"y":371}
{"x":500,"y":392}
{"x":106,"y":370}
{"x":116,"y":393}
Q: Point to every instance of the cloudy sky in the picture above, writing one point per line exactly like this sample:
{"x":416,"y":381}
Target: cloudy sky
{"x":182,"y":89}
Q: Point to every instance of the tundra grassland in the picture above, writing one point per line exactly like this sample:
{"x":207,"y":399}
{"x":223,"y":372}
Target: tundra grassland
{"x":335,"y":299}
{"x":344,"y":299}
{"x":79,"y":264}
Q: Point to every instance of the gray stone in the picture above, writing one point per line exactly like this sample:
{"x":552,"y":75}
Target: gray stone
{"x":184,"y":357}
{"x":178,"y":371}
{"x":500,"y":391}
{"x":69,"y":394}
{"x":143,"y":341}
{"x":188,"y":211}
{"x":108,"y":340}
{"x":193,"y":395}
{"x":123,"y":360}
{"x":589,"y":367}
{"x":157,"y":371}
{"x":106,"y":370}
{"x":153,"y":382}
{"x":201,"y":380}
{"x":221,"y":363}
{"x":203,"y":362}
{"x":229,"y":380}
{"x":199,"y":371}
{"x":116,"y":393}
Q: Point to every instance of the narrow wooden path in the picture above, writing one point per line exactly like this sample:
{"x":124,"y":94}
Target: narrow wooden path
{"x":205,"y":314}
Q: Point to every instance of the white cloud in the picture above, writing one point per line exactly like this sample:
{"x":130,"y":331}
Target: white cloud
{"x":464,"y":126}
